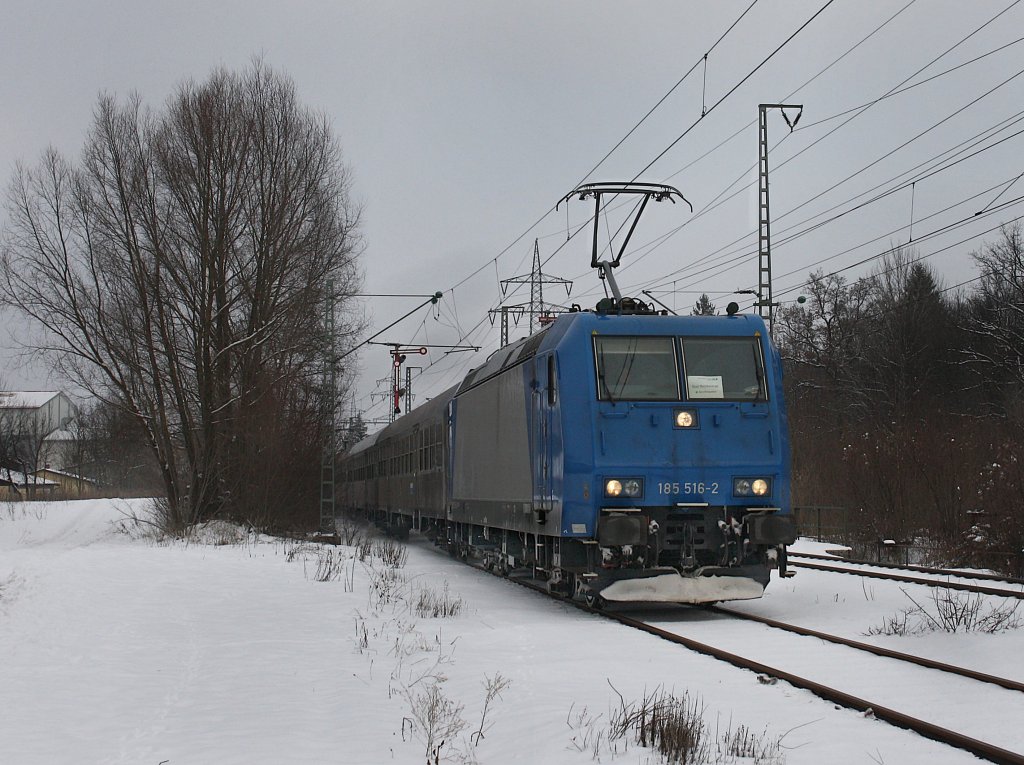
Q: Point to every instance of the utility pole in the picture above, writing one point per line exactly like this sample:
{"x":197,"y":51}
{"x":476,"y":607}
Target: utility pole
{"x":408,"y":386}
{"x":517,"y":313}
{"x":765,"y":301}
{"x":536,"y":279}
{"x":330,"y":393}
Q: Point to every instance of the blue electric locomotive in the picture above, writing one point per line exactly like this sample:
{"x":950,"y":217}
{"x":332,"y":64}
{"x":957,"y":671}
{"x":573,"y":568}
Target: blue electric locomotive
{"x":620,"y":454}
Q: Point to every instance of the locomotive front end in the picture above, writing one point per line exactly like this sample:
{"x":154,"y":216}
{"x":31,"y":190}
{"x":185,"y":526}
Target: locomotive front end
{"x":690,"y":486}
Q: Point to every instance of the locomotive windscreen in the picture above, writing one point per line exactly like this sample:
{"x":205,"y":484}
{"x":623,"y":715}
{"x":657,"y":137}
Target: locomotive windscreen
{"x":636,"y":368}
{"x":724,"y":368}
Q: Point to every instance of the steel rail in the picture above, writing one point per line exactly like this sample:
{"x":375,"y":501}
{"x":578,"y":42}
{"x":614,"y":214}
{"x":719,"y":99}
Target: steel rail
{"x":979,"y":748}
{"x":912,"y":567}
{"x":1012,"y":685}
{"x":911,"y":580}
{"x":929,"y":730}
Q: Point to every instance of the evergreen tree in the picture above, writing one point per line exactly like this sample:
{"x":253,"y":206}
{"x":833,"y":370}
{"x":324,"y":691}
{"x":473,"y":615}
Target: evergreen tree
{"x":704,"y":307}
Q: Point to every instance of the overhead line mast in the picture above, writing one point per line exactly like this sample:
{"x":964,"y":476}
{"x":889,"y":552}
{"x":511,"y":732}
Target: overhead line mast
{"x":765,"y":303}
{"x":330,"y":405}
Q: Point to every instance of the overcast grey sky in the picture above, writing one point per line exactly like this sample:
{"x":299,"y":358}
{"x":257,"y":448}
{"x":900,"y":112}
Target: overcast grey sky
{"x":465,"y":122}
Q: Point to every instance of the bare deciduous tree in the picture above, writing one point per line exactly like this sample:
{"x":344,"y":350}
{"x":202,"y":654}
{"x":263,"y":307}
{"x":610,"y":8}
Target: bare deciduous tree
{"x":824,"y":338}
{"x":112,"y":451}
{"x":178,"y":269}
{"x":996,"y":320}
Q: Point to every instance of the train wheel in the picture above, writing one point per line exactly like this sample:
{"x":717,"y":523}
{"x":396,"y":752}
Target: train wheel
{"x":594,"y":600}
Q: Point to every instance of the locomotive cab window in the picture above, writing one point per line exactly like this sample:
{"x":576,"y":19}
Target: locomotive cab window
{"x":724,"y":368}
{"x":636,"y":368}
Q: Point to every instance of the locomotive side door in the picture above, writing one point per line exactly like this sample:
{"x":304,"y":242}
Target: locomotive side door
{"x":543,"y":393}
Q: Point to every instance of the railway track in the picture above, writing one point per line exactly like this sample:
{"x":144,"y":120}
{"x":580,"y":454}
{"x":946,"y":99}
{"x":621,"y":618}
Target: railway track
{"x":983,"y":749}
{"x":920,"y":661}
{"x":839,"y":566}
{"x":979,"y":748}
{"x":981,"y":576}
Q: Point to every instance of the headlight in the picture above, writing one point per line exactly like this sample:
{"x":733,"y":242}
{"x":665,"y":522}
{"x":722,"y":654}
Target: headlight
{"x":745,"y":487}
{"x":624,"y":487}
{"x":686,"y":418}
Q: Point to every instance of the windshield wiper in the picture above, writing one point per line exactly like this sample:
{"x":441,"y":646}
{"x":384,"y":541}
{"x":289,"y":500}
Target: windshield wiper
{"x":600,"y":377}
{"x":762,"y":393}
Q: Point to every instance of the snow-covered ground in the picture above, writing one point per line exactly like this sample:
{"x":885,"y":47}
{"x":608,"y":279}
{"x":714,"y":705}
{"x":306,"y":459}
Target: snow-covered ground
{"x":116,"y":648}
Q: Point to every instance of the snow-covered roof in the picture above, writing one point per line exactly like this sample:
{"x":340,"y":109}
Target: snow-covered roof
{"x":31,"y":399}
{"x":20,"y":479}
{"x":65,"y":474}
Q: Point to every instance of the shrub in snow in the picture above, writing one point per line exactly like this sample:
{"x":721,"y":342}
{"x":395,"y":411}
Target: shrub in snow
{"x":386,"y":587}
{"x":435,"y":720}
{"x":951,"y":611}
{"x":218,"y":533}
{"x":494,"y":686}
{"x":430,"y":604}
{"x":391,"y":553}
{"x":350,"y":532}
{"x":675,"y":727}
{"x":330,"y":564}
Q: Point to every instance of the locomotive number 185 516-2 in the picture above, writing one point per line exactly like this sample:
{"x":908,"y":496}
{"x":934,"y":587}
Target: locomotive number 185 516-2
{"x":687,"y":487}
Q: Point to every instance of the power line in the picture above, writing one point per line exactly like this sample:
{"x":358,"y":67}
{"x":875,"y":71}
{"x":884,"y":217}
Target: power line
{"x":711,"y":205}
{"x":734,"y":88}
{"x":797,"y":90}
{"x":901,"y":91}
{"x":920,"y":257}
{"x":977,"y":137}
{"x":674,"y":275}
{"x":671,"y":90}
{"x":861,"y":111}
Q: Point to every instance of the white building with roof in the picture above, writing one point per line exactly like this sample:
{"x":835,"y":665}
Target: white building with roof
{"x":33,"y":428}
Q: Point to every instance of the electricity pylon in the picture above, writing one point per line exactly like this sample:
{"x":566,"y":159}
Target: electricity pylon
{"x":536,"y":279}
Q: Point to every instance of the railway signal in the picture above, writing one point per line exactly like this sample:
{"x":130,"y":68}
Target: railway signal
{"x":399,"y":354}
